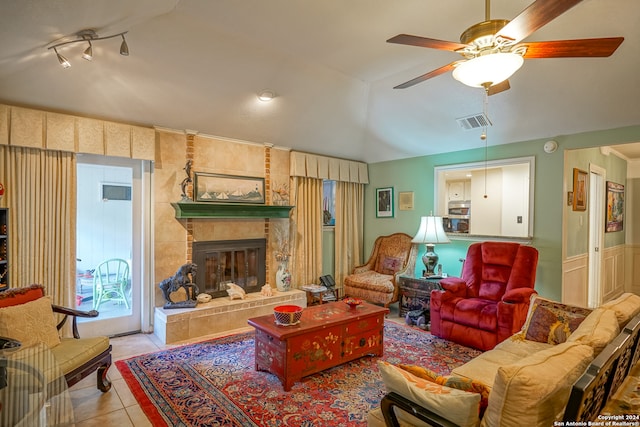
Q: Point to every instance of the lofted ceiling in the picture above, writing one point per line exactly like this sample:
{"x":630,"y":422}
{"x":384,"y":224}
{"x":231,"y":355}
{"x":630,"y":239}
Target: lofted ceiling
{"x":199,"y":64}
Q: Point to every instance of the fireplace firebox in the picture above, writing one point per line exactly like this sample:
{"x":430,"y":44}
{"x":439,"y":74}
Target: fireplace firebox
{"x":242,"y":262}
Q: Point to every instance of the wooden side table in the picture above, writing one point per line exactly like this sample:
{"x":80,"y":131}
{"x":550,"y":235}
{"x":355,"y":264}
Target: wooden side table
{"x":415,"y":294}
{"x":315,"y":294}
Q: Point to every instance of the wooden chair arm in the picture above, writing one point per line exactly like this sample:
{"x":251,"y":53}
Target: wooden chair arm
{"x":392,"y":399}
{"x":72,"y":312}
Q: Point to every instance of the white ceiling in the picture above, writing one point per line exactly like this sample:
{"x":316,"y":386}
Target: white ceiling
{"x":198,"y":65}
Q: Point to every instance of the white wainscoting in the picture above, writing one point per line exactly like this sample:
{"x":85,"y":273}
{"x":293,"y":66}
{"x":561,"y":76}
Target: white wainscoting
{"x":632,"y":272}
{"x":613,"y":277}
{"x":575,"y":280}
{"x":575,"y":275}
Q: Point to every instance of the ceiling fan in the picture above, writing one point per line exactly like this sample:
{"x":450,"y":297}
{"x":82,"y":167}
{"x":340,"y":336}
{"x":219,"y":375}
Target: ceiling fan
{"x":493,"y":50}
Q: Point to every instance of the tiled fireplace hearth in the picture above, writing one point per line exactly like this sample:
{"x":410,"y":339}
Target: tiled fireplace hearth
{"x":242,"y":262}
{"x":218,"y":315}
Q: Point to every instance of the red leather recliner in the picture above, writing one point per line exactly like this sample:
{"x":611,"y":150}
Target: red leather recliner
{"x":490,"y":302}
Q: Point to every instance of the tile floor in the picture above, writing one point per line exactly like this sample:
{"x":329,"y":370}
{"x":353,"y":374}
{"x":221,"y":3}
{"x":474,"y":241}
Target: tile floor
{"x":118,"y":406}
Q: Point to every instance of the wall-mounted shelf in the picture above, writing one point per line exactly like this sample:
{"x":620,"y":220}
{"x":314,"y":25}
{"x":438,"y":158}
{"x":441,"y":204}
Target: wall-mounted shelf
{"x":229,"y":210}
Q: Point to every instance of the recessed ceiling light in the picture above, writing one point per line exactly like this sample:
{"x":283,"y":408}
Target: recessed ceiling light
{"x":266,"y":95}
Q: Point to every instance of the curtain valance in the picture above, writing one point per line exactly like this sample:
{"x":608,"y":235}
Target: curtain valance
{"x":25,"y":127}
{"x":322,"y":167}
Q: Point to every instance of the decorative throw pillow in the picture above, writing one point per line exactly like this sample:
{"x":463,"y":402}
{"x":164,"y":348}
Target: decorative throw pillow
{"x":459,"y":407}
{"x":30,"y":323}
{"x":552,"y":322}
{"x":459,"y":383}
{"x":389,"y":265}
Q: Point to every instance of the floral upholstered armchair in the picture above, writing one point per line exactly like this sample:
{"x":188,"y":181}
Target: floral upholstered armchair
{"x":376,"y":281}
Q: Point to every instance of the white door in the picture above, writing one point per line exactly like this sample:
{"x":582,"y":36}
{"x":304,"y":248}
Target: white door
{"x":596,"y":203}
{"x":111,"y":197}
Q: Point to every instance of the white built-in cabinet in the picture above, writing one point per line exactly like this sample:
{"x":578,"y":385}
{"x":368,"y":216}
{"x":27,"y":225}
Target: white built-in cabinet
{"x":458,"y":190}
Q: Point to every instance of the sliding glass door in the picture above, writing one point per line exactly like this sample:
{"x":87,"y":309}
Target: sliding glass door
{"x":111,"y":194}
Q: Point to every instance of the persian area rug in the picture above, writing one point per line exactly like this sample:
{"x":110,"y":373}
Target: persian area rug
{"x":214,"y":383}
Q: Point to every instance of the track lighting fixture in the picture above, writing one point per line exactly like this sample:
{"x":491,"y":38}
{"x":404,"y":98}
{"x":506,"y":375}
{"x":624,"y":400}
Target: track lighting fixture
{"x":61,"y":59}
{"x":88,"y":36}
{"x":88,"y":53}
{"x":124,"y":48}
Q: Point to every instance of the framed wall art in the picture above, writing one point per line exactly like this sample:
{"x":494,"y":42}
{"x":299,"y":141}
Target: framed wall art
{"x":211,"y":187}
{"x":384,"y":202}
{"x":579,"y":190}
{"x":405,"y":200}
{"x":615,"y":207}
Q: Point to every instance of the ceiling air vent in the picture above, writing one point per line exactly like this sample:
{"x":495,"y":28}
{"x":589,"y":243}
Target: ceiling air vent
{"x":476,"y":121}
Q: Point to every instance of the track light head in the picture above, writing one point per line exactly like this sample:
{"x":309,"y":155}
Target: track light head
{"x":88,"y":53}
{"x":124,"y":48}
{"x":62,"y":60}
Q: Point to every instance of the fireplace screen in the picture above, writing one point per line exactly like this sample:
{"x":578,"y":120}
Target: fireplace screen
{"x":230,"y":261}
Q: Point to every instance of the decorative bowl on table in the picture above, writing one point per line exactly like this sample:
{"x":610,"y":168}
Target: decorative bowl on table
{"x":352,"y":302}
{"x":287,"y":315}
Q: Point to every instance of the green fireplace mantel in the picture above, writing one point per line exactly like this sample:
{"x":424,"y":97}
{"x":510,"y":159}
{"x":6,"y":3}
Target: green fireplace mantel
{"x":229,"y":210}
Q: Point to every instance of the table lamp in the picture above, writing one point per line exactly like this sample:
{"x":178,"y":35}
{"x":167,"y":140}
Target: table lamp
{"x":430,"y":232}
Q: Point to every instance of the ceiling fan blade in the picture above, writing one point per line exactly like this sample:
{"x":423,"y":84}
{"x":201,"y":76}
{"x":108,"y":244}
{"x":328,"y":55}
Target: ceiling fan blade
{"x":426,"y":42}
{"x":572,"y":48}
{"x":428,"y":75}
{"x":500,"y":87}
{"x":539,"y":13}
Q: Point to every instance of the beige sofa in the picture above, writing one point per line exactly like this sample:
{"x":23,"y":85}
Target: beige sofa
{"x":527,"y":381}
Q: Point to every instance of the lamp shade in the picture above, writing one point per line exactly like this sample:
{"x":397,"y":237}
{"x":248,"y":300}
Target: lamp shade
{"x":431,"y":231}
{"x":488,"y":69}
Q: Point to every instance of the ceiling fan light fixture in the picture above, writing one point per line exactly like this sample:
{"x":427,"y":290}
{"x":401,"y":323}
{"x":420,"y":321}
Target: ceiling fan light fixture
{"x":488,"y":70}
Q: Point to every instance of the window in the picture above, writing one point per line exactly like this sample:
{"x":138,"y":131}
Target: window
{"x":329,"y":202}
{"x":116,"y":192}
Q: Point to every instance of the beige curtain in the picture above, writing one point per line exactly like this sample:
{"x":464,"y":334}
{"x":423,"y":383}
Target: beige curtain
{"x":349,"y":228}
{"x":306,"y":230}
{"x":41,"y":197}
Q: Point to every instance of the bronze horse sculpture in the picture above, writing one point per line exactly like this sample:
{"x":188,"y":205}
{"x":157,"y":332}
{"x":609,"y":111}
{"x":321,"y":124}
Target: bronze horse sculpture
{"x":184,"y":278}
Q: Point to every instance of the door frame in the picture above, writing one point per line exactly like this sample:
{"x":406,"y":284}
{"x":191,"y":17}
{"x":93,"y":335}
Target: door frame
{"x":596,"y":207}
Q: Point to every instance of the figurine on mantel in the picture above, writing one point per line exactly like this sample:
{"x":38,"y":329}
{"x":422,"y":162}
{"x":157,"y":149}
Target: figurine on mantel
{"x":186,"y":181}
{"x":266,"y":291}
{"x":179,"y":290}
{"x":235,"y":291}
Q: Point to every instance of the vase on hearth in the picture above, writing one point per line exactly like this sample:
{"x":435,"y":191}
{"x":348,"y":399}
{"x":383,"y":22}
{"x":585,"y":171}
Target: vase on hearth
{"x":283,"y":277}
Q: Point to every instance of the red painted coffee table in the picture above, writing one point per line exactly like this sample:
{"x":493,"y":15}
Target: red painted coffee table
{"x":327,"y":335}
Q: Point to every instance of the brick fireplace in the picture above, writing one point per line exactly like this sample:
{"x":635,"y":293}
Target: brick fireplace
{"x":176,"y":233}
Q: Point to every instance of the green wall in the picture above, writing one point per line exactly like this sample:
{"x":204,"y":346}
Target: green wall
{"x":417,"y":175}
{"x":577,"y":228}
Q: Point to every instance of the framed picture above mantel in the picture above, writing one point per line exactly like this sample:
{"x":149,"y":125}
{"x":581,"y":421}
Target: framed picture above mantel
{"x":218,"y":188}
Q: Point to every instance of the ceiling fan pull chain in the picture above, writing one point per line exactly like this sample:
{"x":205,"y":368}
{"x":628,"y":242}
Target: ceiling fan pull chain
{"x":485,"y":109}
